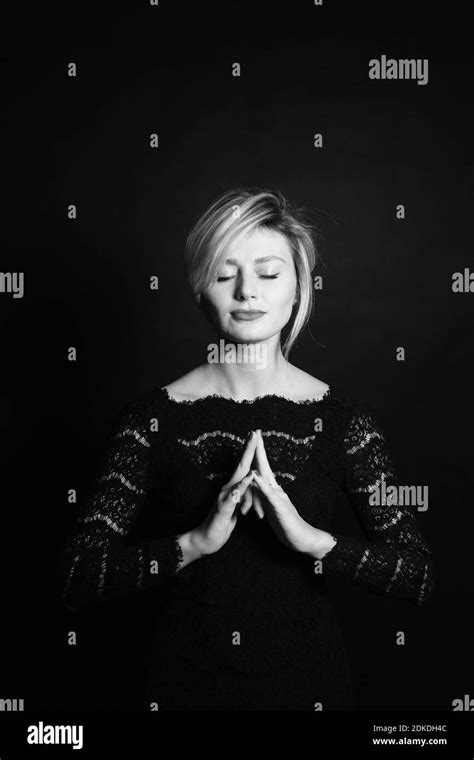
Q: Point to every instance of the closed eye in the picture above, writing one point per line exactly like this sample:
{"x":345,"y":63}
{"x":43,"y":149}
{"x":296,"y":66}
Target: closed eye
{"x":263,"y":276}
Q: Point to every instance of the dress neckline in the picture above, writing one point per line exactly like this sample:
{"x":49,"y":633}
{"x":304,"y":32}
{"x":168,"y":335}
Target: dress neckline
{"x":272,"y":397}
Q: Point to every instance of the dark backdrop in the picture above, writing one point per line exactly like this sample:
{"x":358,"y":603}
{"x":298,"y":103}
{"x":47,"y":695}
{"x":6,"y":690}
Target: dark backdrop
{"x":387,"y":283}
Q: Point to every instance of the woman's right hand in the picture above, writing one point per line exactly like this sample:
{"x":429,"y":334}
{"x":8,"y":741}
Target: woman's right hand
{"x":217,"y":527}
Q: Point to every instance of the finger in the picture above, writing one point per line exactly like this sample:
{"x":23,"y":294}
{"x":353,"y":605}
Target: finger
{"x":244,"y":465}
{"x":262,"y":461}
{"x":233,"y":496}
{"x":265,"y":487}
{"x":244,"y":485}
{"x":257,"y":503}
{"x":246,"y":501}
{"x":250,"y":501}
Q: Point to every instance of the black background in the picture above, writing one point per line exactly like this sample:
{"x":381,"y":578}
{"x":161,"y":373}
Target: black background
{"x":387,"y":283}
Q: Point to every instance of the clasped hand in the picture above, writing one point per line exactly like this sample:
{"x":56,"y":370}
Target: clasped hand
{"x":267,"y":498}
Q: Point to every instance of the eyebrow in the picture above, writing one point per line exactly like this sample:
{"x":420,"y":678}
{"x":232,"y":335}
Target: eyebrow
{"x":260,"y":260}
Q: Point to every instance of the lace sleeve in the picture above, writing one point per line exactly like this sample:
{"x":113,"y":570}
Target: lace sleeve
{"x":95,"y":562}
{"x":396,"y":560}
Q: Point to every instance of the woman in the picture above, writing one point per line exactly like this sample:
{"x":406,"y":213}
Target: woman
{"x":220,"y":487}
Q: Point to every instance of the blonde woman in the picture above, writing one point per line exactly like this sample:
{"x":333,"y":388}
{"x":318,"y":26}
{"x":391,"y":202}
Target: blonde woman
{"x":220,"y":486}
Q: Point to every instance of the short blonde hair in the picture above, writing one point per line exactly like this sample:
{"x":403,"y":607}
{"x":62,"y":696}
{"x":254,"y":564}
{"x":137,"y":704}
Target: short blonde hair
{"x":241,"y":211}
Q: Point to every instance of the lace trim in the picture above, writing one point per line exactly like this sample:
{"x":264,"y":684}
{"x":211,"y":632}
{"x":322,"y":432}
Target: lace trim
{"x":225,"y":434}
{"x":99,"y":516}
{"x":423,"y":585}
{"x":141,"y":563}
{"x":135,"y":433}
{"x":367,"y":438}
{"x":277,"y":474}
{"x":179,"y":553}
{"x":103,"y":569}
{"x":394,"y":576}
{"x":373,"y":486}
{"x":267,"y":397}
{"x":361,"y":563}
{"x":112,"y":475}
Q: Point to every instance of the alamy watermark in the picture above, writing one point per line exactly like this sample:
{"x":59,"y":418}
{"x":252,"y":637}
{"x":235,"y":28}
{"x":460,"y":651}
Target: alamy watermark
{"x":12,"y":705}
{"x":237,"y":353}
{"x":404,"y":68}
{"x":463,"y":282}
{"x":49,"y":734}
{"x":415,"y":496}
{"x":12,"y":282}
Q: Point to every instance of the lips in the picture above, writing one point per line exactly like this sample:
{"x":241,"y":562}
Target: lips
{"x":244,"y":315}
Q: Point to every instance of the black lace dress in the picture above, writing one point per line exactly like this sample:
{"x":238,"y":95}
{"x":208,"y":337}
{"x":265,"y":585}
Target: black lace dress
{"x":251,"y":626}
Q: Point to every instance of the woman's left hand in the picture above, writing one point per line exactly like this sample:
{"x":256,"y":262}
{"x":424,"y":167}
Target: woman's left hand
{"x":283,"y":517}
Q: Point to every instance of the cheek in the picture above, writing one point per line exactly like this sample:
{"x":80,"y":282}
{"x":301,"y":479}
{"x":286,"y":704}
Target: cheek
{"x":213,"y":299}
{"x":215,"y":306}
{"x":285,"y":294}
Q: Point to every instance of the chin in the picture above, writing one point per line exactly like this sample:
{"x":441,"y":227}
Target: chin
{"x":243,"y":335}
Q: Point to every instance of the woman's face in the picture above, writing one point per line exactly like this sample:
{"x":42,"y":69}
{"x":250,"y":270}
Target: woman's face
{"x":252,"y":296}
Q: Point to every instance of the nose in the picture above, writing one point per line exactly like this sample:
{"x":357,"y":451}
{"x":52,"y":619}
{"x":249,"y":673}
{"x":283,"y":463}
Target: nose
{"x":246,"y":287}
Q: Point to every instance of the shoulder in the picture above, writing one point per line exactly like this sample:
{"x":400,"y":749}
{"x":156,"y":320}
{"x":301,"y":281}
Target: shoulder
{"x":355,"y":414}
{"x":362,"y":421}
{"x":308,"y":387}
{"x":138,"y":409}
{"x":191,"y":386}
{"x":338,"y":399}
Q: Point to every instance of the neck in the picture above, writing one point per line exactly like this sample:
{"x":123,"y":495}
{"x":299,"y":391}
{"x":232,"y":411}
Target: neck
{"x":247,"y":370}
